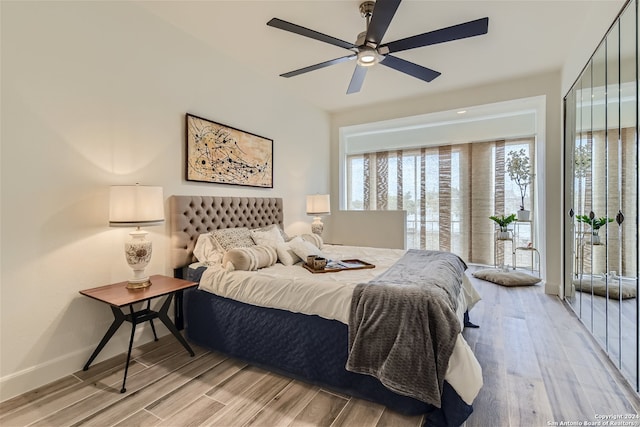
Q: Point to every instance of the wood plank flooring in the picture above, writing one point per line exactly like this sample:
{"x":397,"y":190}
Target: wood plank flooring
{"x":540,"y":367}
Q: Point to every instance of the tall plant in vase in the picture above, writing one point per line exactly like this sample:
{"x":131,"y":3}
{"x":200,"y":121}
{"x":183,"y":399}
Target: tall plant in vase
{"x":519,"y":170}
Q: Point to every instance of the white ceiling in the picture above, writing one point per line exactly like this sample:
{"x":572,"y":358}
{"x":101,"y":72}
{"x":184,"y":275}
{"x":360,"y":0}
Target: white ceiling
{"x":525,"y":37}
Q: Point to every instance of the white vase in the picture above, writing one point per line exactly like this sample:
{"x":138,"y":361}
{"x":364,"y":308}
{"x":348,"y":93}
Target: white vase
{"x":523,"y":215}
{"x":504,"y":235}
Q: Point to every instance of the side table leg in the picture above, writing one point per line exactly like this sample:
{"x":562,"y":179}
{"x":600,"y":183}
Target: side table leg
{"x":153,"y":328}
{"x":133,"y":332}
{"x":178,"y":312}
{"x":119,"y":317}
{"x":164,"y":317}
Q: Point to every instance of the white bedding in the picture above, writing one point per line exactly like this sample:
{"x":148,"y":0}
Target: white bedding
{"x":329,"y":295}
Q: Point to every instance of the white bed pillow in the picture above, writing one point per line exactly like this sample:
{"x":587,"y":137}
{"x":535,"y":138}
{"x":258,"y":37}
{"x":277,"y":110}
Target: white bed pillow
{"x":313,"y":238}
{"x":269,"y":236}
{"x":284,"y":235}
{"x":303,"y":249}
{"x":230,"y":238}
{"x":206,"y":250}
{"x":286,"y":255}
{"x":250,"y":258}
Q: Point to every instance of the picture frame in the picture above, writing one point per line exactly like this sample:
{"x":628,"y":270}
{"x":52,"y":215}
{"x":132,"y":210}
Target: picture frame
{"x":221,"y":154}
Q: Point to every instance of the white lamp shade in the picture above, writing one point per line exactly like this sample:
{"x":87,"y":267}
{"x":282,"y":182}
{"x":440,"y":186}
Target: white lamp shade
{"x":136,"y":206}
{"x":318,"y":204}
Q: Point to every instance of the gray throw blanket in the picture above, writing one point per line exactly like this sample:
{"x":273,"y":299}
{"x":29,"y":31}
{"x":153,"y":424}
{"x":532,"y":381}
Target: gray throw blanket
{"x":403,"y":324}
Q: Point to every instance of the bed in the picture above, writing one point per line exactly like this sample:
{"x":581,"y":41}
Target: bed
{"x":310,"y":340}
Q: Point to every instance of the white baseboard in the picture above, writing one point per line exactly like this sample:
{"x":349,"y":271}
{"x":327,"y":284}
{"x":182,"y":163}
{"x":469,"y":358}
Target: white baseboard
{"x":41,"y":374}
{"x":551,"y":288}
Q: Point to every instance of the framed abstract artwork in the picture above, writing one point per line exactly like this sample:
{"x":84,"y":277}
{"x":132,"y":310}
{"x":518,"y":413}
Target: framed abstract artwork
{"x":224,"y":155}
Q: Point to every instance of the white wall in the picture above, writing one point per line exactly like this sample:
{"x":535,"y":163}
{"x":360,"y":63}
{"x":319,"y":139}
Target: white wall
{"x":591,"y":32}
{"x":94,"y":94}
{"x":547,"y":85}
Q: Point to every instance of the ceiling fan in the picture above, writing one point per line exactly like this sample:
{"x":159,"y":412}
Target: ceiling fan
{"x":368,"y":49}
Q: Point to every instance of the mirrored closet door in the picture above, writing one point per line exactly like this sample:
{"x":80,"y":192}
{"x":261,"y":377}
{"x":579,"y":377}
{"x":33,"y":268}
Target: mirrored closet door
{"x":601,"y":195}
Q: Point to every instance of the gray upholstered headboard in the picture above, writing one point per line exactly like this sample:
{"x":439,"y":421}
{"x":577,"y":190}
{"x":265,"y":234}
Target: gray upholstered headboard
{"x":191,"y":216}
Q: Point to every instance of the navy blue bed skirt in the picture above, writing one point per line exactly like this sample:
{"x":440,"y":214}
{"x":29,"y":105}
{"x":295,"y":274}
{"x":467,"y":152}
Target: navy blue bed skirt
{"x":308,"y":348}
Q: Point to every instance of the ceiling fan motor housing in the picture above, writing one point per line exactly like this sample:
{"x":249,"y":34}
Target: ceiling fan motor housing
{"x":366,"y":8}
{"x":360,"y":41}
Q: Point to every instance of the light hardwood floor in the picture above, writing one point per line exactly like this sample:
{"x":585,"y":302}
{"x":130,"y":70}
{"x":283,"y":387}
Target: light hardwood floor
{"x":540,"y":367}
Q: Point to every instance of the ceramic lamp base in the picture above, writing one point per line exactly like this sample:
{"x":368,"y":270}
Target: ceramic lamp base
{"x":317,"y":226}
{"x":138,"y":254}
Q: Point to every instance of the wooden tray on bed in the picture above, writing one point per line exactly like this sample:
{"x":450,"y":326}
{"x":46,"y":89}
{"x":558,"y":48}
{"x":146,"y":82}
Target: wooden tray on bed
{"x":342,"y":265}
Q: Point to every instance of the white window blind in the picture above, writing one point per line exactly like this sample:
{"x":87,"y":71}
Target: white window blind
{"x":449,"y":192}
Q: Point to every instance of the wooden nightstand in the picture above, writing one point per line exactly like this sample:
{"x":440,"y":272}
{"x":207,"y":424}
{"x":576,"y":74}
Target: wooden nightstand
{"x":117,"y":295}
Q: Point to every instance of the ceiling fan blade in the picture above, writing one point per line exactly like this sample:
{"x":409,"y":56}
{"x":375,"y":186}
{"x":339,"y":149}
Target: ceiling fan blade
{"x":415,"y":70}
{"x":297,"y":29}
{"x":381,"y":18}
{"x":357,"y":79}
{"x":455,"y":32}
{"x":318,"y":66}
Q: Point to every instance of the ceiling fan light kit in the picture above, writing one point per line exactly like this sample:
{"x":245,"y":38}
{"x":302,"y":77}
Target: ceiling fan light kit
{"x":368,"y":56}
{"x":369,"y":50}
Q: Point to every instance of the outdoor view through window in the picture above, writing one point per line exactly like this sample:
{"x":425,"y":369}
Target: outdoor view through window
{"x":449,"y":192}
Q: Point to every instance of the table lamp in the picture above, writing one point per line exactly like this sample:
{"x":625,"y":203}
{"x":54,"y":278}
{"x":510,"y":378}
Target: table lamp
{"x":136,"y":206}
{"x":317,"y":205}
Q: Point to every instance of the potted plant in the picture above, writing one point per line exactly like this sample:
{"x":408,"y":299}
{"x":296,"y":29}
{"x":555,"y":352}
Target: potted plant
{"x":519,"y":171}
{"x":503,"y":222}
{"x":595,"y":224}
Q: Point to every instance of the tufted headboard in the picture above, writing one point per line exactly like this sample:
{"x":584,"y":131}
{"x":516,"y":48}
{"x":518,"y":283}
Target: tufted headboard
{"x":191,"y":216}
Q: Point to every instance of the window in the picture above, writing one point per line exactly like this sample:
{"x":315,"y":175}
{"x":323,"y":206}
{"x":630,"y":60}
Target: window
{"x":448,"y":191}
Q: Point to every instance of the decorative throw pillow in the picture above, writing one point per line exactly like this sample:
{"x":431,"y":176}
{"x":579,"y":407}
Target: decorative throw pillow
{"x":303,"y":249}
{"x":269,"y":236}
{"x":250,"y":258}
{"x":230,"y":238}
{"x":206,"y":250}
{"x":284,"y":235}
{"x":286,"y":255}
{"x":313,"y":238}
{"x":506,"y":278}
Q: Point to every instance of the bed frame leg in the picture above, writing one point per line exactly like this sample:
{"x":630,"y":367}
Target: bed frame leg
{"x":467,"y":322}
